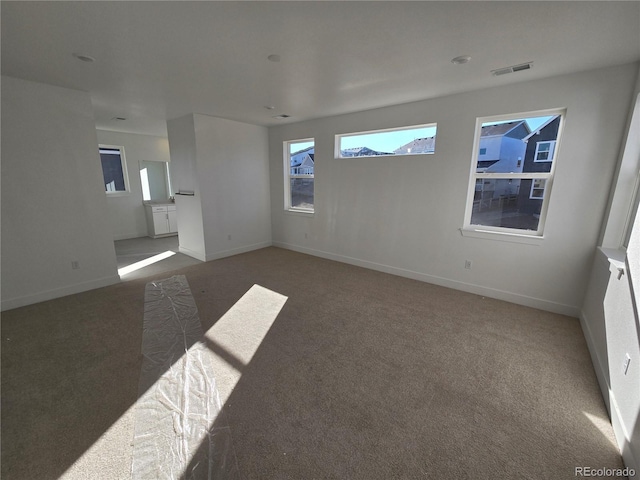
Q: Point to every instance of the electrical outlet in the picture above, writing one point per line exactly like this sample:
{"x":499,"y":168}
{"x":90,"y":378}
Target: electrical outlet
{"x":468,"y":264}
{"x":75,"y":264}
{"x":625,"y":365}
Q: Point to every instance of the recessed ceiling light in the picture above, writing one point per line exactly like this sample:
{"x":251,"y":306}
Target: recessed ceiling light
{"x":269,"y":107}
{"x":118,"y":118}
{"x":273,"y":58}
{"x":84,"y":58}
{"x":462,"y":59}
{"x":281,"y":117}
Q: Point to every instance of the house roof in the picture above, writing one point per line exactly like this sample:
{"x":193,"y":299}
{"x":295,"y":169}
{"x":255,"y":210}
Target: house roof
{"x":499,"y":129}
{"x":362,"y":152}
{"x":308,"y":149}
{"x":525,"y":139}
{"x":486,"y":163}
{"x":419,"y":145}
{"x":303,"y":158}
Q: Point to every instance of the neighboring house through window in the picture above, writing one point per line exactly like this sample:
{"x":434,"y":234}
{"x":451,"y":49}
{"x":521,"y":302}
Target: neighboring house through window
{"x":413,"y":140}
{"x":512,"y":174}
{"x":114,"y":169}
{"x":299,"y":163}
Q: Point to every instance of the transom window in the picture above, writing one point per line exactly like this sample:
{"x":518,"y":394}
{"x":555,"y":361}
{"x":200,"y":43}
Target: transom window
{"x":114,"y":169}
{"x":299,"y":165}
{"x":413,"y":140}
{"x":512,"y":173}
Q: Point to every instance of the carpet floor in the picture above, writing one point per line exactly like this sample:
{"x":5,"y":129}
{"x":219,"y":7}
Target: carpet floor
{"x":361,"y":375}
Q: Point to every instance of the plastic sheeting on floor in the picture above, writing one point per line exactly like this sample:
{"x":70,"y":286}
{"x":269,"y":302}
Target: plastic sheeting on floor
{"x":179,"y":430}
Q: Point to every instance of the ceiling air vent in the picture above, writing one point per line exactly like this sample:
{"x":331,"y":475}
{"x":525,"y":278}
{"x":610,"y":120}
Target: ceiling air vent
{"x":281,"y":117}
{"x":511,"y":69}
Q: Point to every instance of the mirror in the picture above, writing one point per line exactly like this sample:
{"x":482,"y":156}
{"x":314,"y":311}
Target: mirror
{"x":156,"y":184}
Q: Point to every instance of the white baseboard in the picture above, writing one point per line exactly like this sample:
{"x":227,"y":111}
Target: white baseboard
{"x":127,"y":236}
{"x":623,"y":438}
{"x":58,"y":292}
{"x":443,"y":282}
{"x":237,"y":250}
{"x":192,"y":253}
{"x":223,"y":253}
{"x":621,"y":433}
{"x":598,"y":365}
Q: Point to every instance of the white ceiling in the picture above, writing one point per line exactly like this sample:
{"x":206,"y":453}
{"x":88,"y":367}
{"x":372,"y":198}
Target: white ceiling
{"x":161,"y":60}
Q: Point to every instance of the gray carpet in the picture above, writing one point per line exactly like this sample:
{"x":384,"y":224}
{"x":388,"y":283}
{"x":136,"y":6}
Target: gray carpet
{"x":363,"y":375}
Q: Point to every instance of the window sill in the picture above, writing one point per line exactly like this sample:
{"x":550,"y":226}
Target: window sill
{"x":117,"y":194}
{"x":502,"y":236}
{"x":615,"y":257}
{"x":296,"y":211}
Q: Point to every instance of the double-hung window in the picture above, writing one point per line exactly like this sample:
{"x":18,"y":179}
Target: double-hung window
{"x":114,"y":169}
{"x":299,"y":163}
{"x":544,"y":151}
{"x":512,"y":174}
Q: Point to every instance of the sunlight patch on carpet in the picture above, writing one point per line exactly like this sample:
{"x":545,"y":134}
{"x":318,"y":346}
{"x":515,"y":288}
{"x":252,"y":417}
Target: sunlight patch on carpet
{"x":604,"y":426}
{"x":180,"y":428}
{"x":145,"y":263}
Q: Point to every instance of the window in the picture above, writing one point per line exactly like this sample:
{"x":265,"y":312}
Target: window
{"x":537,"y":189}
{"x":544,"y":151}
{"x":414,"y":140}
{"x":510,"y":186}
{"x":114,"y":169}
{"x":299,"y":163}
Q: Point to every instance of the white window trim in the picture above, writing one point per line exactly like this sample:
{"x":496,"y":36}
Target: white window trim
{"x":339,"y":137}
{"x":125,"y":170}
{"x":287,"y":178}
{"x":552,"y":151}
{"x":502,"y":233}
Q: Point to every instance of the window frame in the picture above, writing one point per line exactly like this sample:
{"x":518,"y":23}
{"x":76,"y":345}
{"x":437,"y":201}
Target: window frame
{"x":340,"y":136}
{"x":286,"y":146}
{"x":123,"y":165}
{"x":504,"y":233}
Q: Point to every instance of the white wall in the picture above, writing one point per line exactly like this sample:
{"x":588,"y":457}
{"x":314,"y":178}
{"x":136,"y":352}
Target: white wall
{"x":54,"y":209}
{"x":184,"y":177}
{"x":403,"y":215}
{"x":609,"y":314}
{"x":126,"y":212}
{"x":610,"y":325}
{"x":226,"y":164}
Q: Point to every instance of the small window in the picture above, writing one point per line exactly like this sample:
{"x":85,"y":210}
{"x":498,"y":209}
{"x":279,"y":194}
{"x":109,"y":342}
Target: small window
{"x":414,"y":140}
{"x":544,"y":151}
{"x":537,"y":189}
{"x":510,"y":182}
{"x":299,"y":166}
{"x":114,"y":169}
